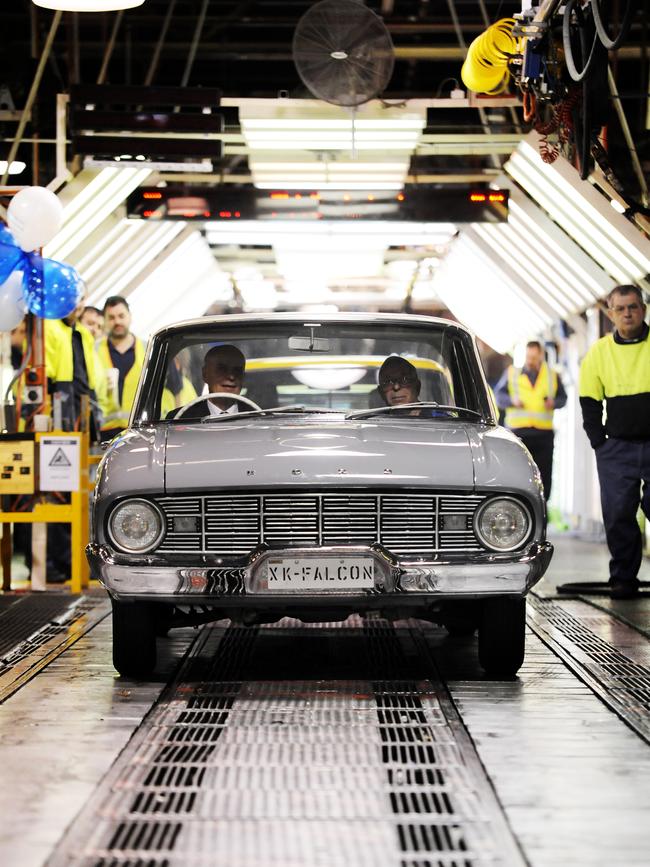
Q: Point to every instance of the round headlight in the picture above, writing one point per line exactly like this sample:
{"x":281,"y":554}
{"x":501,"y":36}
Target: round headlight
{"x":502,"y":523}
{"x":136,"y":526}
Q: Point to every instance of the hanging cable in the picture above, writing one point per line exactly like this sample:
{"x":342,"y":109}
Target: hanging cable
{"x":611,"y":44}
{"x":566,"y":40}
{"x":485,"y":69}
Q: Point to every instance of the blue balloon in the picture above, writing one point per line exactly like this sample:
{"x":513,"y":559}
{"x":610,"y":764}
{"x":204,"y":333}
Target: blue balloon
{"x":10,"y":254}
{"x":52,"y":289}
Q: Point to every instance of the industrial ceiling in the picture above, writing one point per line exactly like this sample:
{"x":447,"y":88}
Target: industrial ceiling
{"x":425,"y":128}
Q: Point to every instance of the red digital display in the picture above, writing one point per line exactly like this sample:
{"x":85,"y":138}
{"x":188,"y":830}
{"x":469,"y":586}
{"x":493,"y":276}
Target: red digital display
{"x":415,"y":203}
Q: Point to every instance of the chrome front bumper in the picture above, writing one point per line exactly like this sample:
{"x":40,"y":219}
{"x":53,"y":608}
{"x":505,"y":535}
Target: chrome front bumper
{"x":484,"y":575}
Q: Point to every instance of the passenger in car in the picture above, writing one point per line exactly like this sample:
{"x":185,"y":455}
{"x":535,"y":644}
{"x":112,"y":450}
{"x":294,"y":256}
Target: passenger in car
{"x":223,"y":371}
{"x":399,"y":382}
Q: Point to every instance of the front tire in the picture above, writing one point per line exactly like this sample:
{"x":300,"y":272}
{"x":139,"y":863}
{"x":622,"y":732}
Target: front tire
{"x":502,"y":635}
{"x":134,"y":638}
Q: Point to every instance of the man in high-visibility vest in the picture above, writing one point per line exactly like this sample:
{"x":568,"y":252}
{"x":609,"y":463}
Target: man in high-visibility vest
{"x":529,"y":396}
{"x":121,"y":355}
{"x":71,"y":367}
{"x":93,"y":319}
{"x":616,"y":371}
{"x":71,"y":370}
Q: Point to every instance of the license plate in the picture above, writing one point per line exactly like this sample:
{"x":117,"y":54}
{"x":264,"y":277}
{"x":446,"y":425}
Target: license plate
{"x":319,"y":573}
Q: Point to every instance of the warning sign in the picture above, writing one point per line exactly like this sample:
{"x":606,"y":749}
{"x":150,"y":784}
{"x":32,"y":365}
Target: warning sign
{"x":59,"y":463}
{"x":60,"y":459}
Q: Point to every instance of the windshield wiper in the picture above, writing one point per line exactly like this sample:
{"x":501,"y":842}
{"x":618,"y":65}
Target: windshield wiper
{"x":257,"y":413}
{"x":425,"y":404}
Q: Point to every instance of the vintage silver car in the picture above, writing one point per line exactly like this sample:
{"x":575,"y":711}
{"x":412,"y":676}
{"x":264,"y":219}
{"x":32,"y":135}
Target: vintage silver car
{"x":316,"y":467}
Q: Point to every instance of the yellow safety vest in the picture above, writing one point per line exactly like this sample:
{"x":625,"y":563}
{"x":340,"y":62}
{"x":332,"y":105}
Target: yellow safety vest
{"x":533,"y":413}
{"x":610,"y":369}
{"x":169,"y":401}
{"x":116,"y":413}
{"x":59,"y":364}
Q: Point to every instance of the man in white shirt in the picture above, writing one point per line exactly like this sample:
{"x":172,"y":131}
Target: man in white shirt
{"x":223,"y":371}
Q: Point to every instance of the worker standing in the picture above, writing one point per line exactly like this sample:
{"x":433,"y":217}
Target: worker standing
{"x":70,"y":367}
{"x":121,"y":355}
{"x":530,"y":396}
{"x":616,"y":371}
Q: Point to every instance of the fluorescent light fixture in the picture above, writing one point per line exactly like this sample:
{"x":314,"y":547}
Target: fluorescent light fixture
{"x":481,"y":295}
{"x":273,"y":139}
{"x":102,"y":256}
{"x":330,"y":264}
{"x":402,"y":269}
{"x":336,"y":142}
{"x":126,"y":270}
{"x":88,"y":5}
{"x":315,"y":124}
{"x":537,"y":272}
{"x":329,"y":378}
{"x":582,"y":211}
{"x":269,"y":173}
{"x":598,"y":247}
{"x":527,"y":274}
{"x":587,"y":278}
{"x":15,"y":168}
{"x":335,"y":166}
{"x":185,"y":284}
{"x":386,"y":232}
{"x":204,"y":166}
{"x":258,"y":294}
{"x":91,"y":206}
{"x":311,"y":182}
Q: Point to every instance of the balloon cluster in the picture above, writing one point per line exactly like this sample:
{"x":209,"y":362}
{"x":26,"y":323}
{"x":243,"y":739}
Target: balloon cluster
{"x":28,"y":282}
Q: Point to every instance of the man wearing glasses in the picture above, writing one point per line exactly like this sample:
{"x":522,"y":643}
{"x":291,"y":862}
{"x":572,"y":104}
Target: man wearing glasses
{"x":398,"y":381}
{"x":616,"y":371}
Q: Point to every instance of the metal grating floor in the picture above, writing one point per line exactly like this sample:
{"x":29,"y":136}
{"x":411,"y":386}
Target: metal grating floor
{"x":620,"y":681}
{"x":67,"y":619}
{"x":25,"y":615}
{"x":235,"y":768}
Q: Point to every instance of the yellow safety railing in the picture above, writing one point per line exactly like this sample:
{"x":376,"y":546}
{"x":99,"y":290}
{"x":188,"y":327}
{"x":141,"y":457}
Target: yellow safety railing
{"x":75,"y":513}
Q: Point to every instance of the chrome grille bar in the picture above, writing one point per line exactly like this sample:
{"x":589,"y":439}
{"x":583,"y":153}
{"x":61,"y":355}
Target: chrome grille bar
{"x":407,"y":524}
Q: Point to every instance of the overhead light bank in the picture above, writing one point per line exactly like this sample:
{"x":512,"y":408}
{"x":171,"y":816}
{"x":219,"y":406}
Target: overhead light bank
{"x":414,"y":203}
{"x":88,"y":5}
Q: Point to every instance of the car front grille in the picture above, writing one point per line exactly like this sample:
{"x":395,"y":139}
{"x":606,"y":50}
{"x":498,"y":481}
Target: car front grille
{"x":409,"y":525}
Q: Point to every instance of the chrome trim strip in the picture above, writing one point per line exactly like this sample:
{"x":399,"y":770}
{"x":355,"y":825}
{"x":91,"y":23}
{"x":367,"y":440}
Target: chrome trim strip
{"x":476,"y":577}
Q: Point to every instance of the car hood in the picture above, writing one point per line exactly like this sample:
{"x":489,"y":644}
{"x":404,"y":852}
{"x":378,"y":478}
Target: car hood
{"x":257,"y":453}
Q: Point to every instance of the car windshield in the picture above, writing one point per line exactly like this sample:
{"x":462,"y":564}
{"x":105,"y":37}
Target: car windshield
{"x":292,"y":367}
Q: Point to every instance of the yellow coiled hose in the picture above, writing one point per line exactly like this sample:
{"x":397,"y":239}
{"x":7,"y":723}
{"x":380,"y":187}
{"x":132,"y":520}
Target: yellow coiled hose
{"x":485,"y":69}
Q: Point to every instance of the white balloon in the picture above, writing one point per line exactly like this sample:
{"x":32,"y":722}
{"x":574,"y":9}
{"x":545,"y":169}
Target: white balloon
{"x":34,"y":216}
{"x":12,"y":301}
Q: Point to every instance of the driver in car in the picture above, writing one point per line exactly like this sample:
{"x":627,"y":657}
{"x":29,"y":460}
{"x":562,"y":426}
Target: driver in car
{"x":398,"y":381}
{"x":223,"y":371}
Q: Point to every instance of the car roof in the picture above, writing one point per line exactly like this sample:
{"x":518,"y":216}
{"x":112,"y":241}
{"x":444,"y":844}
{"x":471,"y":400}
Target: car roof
{"x":407,"y":319}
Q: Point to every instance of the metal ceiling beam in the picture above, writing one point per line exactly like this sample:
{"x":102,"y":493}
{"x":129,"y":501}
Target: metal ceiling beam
{"x":27,"y":111}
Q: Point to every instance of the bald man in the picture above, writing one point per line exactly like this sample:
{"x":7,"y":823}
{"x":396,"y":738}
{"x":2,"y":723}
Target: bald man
{"x":223,"y":371}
